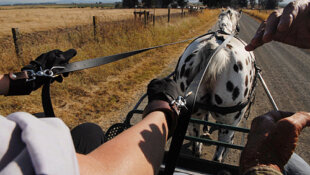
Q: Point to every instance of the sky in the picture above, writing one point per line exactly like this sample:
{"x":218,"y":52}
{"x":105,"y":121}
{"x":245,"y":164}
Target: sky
{"x":70,"y":1}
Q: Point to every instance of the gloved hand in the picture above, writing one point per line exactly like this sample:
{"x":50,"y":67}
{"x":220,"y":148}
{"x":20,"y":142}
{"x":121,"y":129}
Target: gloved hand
{"x":163,"y":89}
{"x":272,"y":140}
{"x":47,"y":61}
{"x":43,"y":62}
{"x":161,"y":92}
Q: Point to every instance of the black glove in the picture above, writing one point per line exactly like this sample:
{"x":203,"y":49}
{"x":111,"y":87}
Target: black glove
{"x":164,"y":89}
{"x":160,"y":94}
{"x":43,"y":62}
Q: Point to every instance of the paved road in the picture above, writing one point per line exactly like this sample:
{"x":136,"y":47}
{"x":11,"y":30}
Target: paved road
{"x":286,"y":70}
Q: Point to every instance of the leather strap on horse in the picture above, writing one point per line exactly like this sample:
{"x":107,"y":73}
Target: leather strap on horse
{"x":223,"y":110}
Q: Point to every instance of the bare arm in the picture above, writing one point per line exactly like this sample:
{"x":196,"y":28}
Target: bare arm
{"x":4,"y":84}
{"x":138,"y":150}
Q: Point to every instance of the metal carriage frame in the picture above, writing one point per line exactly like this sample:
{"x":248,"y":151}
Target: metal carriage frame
{"x":184,"y":163}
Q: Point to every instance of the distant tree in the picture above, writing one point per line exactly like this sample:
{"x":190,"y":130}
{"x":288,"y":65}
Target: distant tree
{"x":149,"y":3}
{"x":130,"y":3}
{"x":252,"y":3}
{"x":243,"y":3}
{"x":271,"y":4}
{"x":216,"y":3}
{"x":182,"y":3}
{"x":117,"y":5}
{"x":166,"y":3}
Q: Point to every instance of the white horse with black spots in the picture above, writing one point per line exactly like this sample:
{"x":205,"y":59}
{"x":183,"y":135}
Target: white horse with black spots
{"x":227,"y":85}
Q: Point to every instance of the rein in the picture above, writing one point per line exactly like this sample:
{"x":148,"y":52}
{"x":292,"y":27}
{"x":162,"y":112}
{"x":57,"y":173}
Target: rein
{"x":86,"y":64}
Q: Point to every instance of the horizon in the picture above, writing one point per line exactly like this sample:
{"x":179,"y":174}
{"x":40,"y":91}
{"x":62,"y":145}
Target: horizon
{"x":10,"y":2}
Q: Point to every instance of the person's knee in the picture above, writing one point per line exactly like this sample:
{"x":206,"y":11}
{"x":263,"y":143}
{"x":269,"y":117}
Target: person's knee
{"x":87,"y":137}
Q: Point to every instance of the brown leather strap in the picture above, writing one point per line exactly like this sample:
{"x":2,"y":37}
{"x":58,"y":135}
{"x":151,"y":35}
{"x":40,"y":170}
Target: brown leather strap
{"x":171,"y":113}
{"x":18,"y":84}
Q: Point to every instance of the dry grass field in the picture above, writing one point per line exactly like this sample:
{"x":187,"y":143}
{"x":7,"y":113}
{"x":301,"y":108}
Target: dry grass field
{"x":40,"y":19}
{"x":94,"y":94}
{"x":259,"y":14}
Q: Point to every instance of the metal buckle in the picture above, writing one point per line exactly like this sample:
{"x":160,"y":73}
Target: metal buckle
{"x":179,"y":102}
{"x":42,"y":73}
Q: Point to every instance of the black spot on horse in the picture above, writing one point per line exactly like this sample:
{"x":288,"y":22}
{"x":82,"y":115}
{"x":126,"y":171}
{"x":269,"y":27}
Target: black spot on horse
{"x":235,"y":93}
{"x":182,"y":70}
{"x":218,"y":99}
{"x":189,"y":57}
{"x":182,"y":87}
{"x":246,"y":92}
{"x":198,"y":114}
{"x":206,"y":98}
{"x":246,"y":80}
{"x":229,"y":86}
{"x":187,"y":72}
{"x":221,"y":38}
{"x":240,"y":65}
{"x":236,"y":69}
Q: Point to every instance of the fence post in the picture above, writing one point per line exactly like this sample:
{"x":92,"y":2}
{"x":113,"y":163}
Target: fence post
{"x":135,"y":13}
{"x":154,"y":19}
{"x":16,"y":42}
{"x":145,"y":18}
{"x":169,"y":15}
{"x":95,"y":27}
{"x":182,"y":12}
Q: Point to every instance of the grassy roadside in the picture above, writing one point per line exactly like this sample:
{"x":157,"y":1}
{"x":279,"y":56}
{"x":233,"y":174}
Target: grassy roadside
{"x":261,"y":15}
{"x":93,"y":94}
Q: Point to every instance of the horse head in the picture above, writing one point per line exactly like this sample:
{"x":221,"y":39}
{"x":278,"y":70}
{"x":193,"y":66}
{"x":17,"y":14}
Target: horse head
{"x":228,"y":21}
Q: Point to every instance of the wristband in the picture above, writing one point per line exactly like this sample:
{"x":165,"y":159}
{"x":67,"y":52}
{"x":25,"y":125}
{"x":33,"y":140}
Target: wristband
{"x":18,"y":84}
{"x":171,"y":113}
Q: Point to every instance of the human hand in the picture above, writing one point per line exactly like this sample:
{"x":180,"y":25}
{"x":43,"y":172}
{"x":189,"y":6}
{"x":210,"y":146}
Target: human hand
{"x":163,"y":89}
{"x":290,"y":25}
{"x":272,"y":139}
{"x":47,"y":61}
{"x":161,"y":92}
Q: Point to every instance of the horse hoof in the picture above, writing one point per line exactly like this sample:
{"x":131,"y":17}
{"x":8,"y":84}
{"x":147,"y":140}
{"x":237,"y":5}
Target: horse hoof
{"x":208,"y":137}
